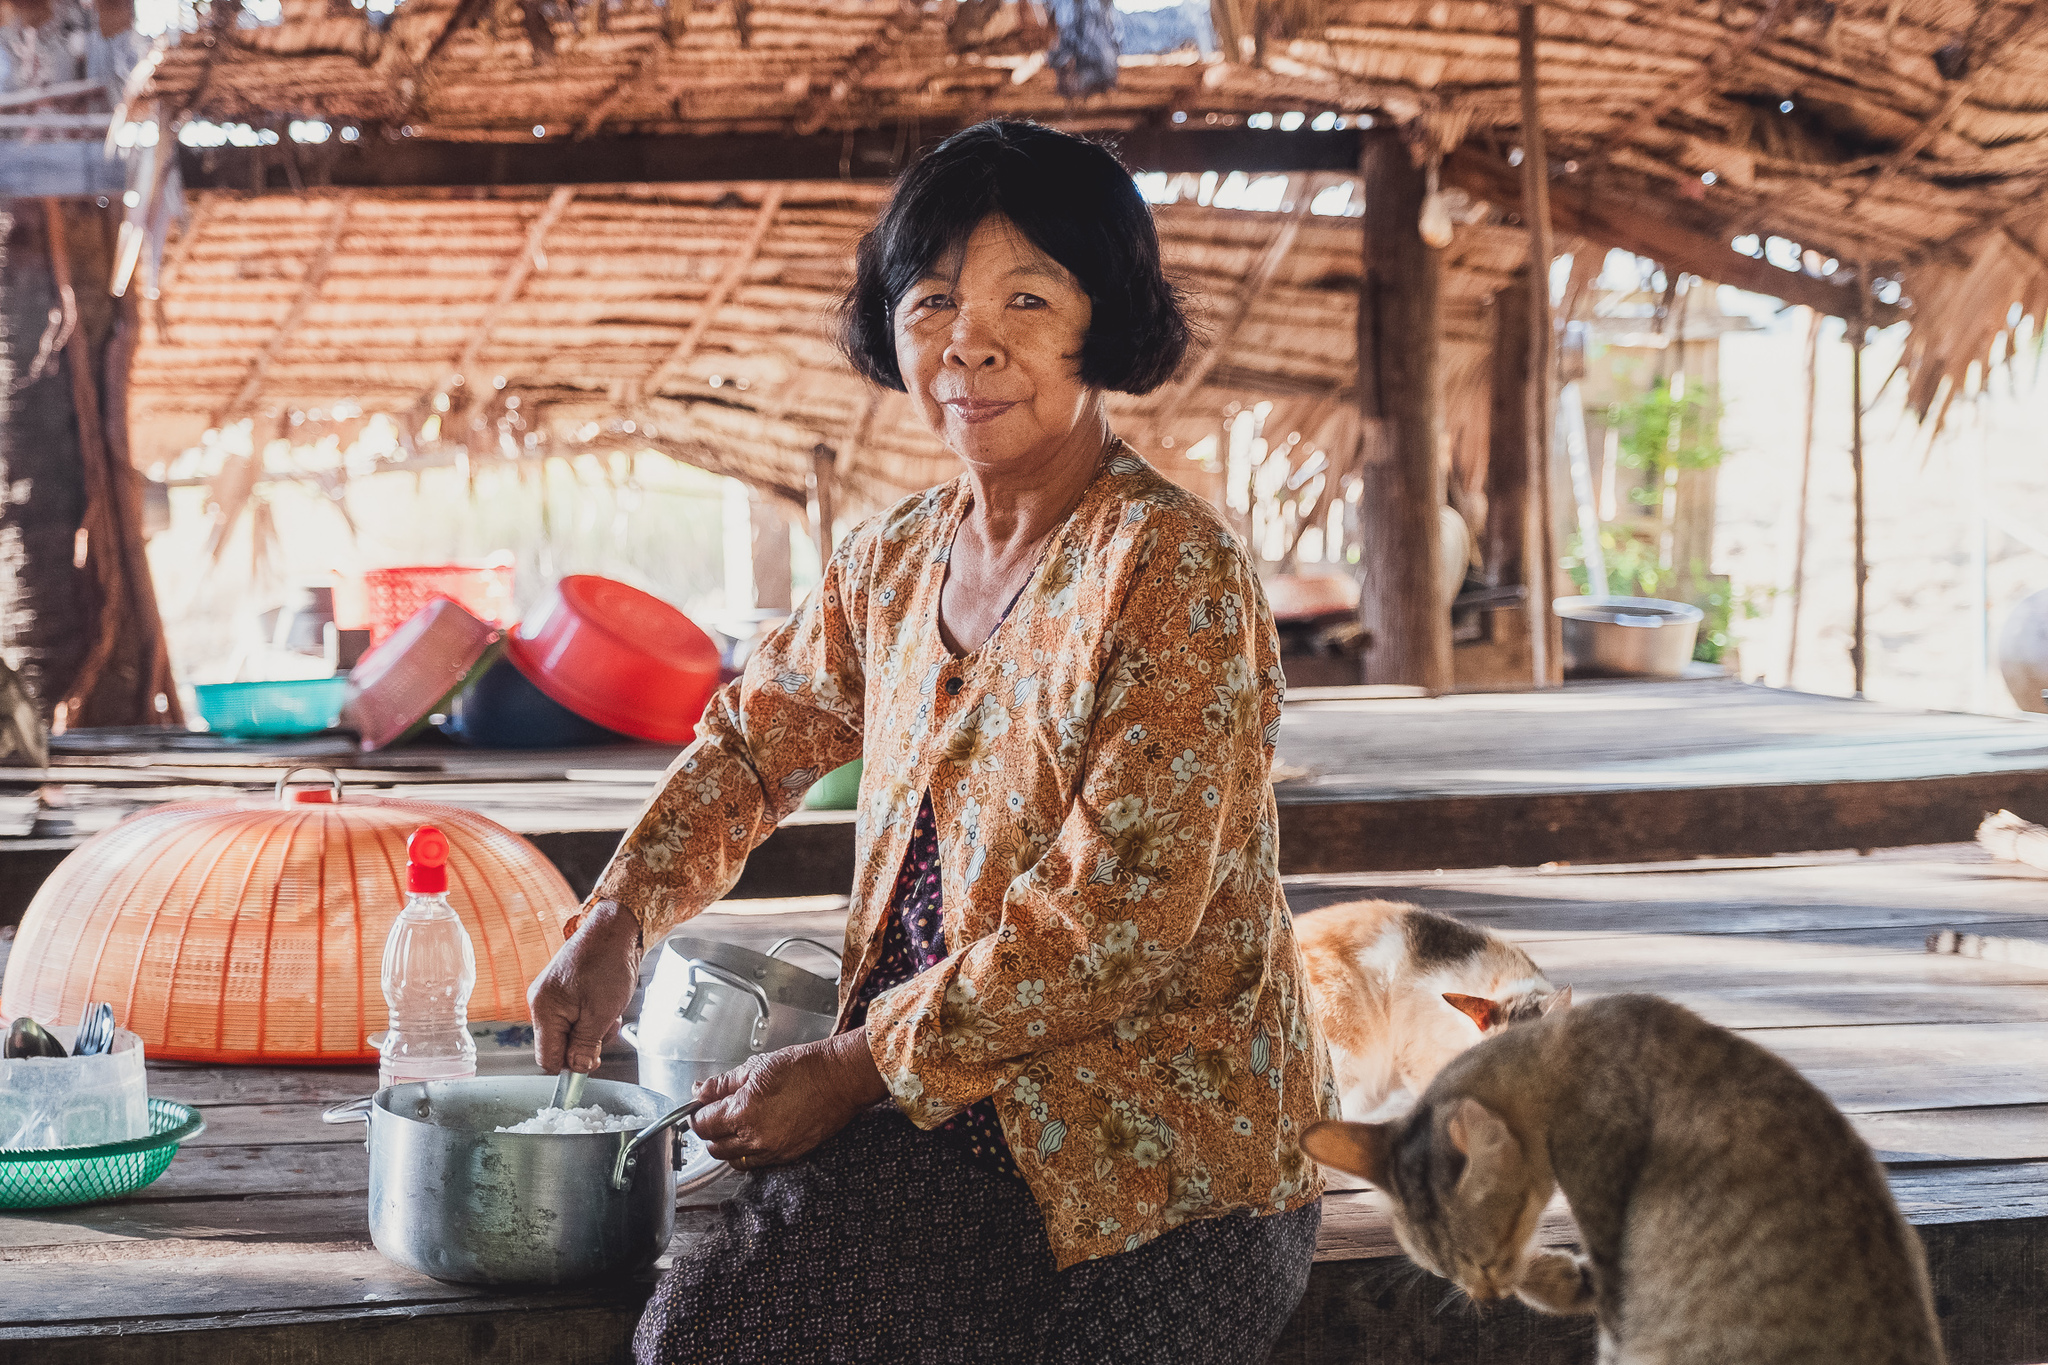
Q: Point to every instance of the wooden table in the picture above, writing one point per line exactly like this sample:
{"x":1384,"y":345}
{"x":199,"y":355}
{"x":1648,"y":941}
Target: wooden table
{"x":1594,"y":772}
{"x":252,"y":1247}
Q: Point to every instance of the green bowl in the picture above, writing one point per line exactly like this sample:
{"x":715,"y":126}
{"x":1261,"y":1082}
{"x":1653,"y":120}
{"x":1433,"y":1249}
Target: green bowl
{"x":51,"y":1177}
{"x":836,"y":790}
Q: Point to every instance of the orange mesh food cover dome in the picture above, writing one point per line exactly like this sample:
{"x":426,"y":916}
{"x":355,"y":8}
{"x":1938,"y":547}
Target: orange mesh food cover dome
{"x":253,"y":931}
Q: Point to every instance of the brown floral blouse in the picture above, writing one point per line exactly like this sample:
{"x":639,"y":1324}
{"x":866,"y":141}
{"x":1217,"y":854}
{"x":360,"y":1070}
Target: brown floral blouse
{"x":1123,"y":977}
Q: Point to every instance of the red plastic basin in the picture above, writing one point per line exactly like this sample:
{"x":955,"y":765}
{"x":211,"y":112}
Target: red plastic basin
{"x":619,"y":657}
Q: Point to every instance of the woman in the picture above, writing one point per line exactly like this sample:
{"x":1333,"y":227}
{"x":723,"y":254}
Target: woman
{"x":1059,"y":1121}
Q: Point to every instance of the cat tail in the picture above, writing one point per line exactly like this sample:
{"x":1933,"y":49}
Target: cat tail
{"x":2019,"y":951}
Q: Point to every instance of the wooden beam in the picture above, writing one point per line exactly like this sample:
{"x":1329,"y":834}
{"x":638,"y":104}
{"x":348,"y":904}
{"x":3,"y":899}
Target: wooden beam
{"x":1168,"y":404}
{"x":1677,"y":245}
{"x":728,"y":284}
{"x":54,"y":123}
{"x":309,"y":289}
{"x":43,"y":94}
{"x":1539,"y":559}
{"x":509,"y":288}
{"x":103,"y":559}
{"x":1400,"y":385}
{"x":878,"y":152}
{"x":1503,"y":546}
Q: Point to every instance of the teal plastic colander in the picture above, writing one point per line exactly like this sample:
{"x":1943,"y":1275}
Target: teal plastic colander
{"x":50,"y":1177}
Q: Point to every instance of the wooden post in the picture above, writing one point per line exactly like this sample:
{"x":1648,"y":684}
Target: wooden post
{"x":1857,"y":656}
{"x":1507,"y":461}
{"x":822,"y":458}
{"x":1400,"y":393}
{"x":1798,"y":586}
{"x":1538,"y":558}
{"x":770,"y":540}
{"x":87,"y":625}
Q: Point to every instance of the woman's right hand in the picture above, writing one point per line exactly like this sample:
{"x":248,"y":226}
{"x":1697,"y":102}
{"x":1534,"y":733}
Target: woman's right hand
{"x":578,"y":998}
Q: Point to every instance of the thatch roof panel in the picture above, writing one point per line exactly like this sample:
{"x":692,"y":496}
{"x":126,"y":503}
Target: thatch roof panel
{"x":588,"y":333}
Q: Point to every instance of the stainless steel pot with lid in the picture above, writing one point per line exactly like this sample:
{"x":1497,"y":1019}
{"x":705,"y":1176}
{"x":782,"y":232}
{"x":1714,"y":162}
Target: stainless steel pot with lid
{"x":712,"y":1005}
{"x":453,"y":1198}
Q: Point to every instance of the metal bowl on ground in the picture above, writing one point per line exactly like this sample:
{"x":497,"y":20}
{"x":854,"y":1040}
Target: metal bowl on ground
{"x":1627,"y":637}
{"x":712,"y":1005}
{"x":453,"y":1198}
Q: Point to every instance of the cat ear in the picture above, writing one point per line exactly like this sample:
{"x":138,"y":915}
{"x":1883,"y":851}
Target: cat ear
{"x":1360,"y":1149}
{"x":1559,"y":999}
{"x":1484,"y":1140}
{"x":1482,"y":1011}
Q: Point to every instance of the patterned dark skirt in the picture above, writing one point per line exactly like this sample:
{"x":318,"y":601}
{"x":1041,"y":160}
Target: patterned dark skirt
{"x":885,"y":1245}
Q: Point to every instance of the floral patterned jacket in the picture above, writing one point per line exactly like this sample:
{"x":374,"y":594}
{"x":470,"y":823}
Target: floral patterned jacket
{"x":1124,"y":978}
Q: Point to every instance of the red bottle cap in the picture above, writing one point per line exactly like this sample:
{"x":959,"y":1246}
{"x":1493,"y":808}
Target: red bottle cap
{"x":426,"y":861}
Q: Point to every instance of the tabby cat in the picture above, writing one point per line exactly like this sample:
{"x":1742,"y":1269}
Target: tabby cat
{"x":1728,"y":1212}
{"x":1399,"y":991}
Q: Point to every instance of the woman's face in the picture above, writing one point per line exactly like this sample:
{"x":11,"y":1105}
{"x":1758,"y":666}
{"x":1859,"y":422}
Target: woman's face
{"x":989,"y":343}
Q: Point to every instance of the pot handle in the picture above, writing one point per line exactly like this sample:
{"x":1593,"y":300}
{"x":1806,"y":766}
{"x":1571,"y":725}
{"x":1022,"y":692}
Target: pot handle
{"x":699,"y":967}
{"x":631,"y":1033}
{"x":837,"y":960}
{"x":356,"y":1110}
{"x":629,"y":1155}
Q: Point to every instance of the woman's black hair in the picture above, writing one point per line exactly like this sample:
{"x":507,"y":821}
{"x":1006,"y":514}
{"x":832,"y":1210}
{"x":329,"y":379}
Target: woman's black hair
{"x":1072,"y":200}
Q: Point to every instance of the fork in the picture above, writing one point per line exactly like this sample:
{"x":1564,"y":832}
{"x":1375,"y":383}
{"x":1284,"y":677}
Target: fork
{"x":95,"y":1030}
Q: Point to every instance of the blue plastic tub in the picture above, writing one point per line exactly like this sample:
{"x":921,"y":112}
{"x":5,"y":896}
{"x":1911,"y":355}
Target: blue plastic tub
{"x":251,"y":710}
{"x":502,"y":710}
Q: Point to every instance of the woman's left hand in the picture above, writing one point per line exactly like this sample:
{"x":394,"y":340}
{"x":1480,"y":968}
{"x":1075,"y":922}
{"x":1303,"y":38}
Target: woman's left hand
{"x":782,"y":1104}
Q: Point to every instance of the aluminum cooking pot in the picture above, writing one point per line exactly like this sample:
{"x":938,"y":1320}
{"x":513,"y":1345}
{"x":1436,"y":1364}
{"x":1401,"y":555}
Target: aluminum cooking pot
{"x":1627,"y":637}
{"x":712,"y":1005}
{"x":454,"y":1199}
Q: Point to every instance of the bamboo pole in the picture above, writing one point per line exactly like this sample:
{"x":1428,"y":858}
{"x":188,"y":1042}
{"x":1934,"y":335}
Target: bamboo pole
{"x":1537,"y":555}
{"x":1798,"y":586}
{"x":1858,"y":658}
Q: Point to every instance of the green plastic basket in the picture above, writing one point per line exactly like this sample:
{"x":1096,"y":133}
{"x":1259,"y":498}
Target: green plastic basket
{"x":51,"y":1177}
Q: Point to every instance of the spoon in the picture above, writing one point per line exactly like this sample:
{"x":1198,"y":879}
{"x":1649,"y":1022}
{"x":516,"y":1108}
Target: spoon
{"x":29,"y":1039}
{"x":568,"y":1089}
{"x":95,"y":1031}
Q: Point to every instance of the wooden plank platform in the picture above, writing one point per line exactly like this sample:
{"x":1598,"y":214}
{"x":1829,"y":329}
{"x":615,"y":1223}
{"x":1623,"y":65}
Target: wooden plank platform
{"x":1597,"y":772}
{"x":252,"y":1247}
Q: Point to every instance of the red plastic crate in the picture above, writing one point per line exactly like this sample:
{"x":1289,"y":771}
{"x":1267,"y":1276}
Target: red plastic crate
{"x":391,"y":596}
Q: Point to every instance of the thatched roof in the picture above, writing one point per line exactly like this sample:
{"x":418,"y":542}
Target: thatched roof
{"x":1905,"y":137}
{"x":701,"y":315}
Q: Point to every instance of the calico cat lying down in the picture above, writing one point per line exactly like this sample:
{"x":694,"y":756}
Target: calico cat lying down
{"x":1730,"y":1215}
{"x":1400,"y":991}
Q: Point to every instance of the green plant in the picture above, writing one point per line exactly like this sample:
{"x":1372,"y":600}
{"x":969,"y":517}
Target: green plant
{"x":1632,"y":567}
{"x":1658,"y":432}
{"x":1723,"y":606}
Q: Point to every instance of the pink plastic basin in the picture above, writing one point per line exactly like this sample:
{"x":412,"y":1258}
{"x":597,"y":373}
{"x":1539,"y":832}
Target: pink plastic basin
{"x":619,"y":657}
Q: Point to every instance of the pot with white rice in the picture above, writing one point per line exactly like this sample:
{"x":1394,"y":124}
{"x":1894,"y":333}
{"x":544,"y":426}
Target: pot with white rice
{"x":482,"y":1181}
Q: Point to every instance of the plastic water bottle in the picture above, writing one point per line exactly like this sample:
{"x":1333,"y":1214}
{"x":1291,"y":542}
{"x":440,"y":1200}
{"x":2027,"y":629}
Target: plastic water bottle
{"x":429,"y":971}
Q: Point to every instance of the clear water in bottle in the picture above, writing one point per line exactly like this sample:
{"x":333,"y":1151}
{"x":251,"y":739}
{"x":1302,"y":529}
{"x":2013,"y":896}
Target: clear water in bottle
{"x":429,"y":971}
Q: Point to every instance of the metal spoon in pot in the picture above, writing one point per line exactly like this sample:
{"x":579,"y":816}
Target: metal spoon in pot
{"x":568,"y":1089}
{"x":29,"y":1039}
